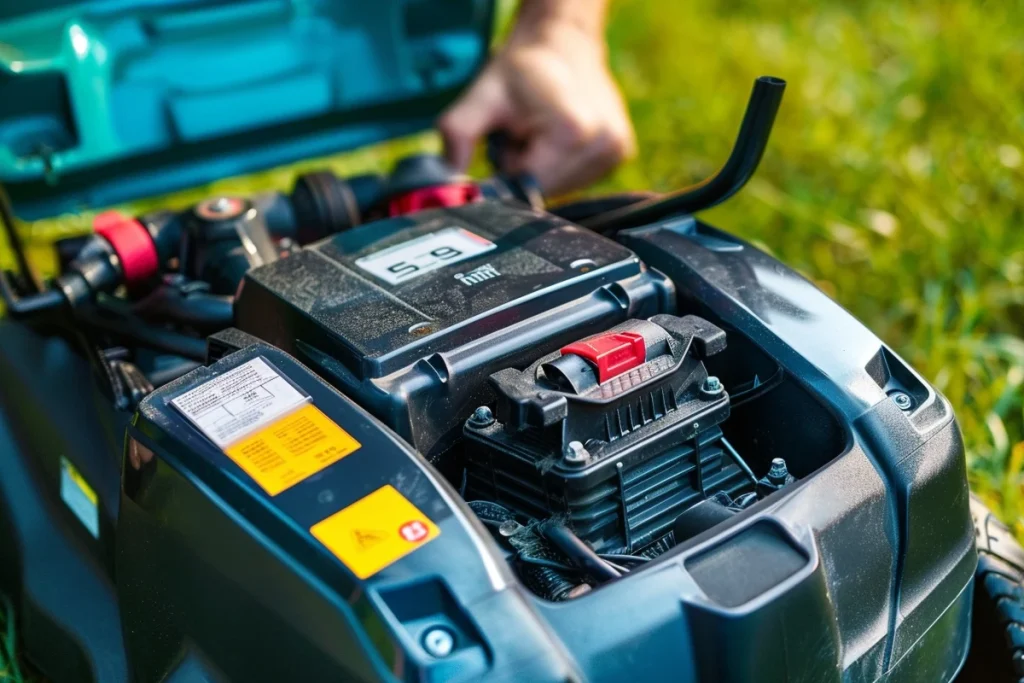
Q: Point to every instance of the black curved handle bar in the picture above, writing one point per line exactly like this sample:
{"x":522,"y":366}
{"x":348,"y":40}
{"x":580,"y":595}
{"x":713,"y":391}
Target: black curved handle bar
{"x":746,"y":155}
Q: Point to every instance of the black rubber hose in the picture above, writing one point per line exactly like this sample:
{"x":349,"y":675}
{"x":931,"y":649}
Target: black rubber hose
{"x":746,"y":155}
{"x":208,"y":312}
{"x":616,"y":557}
{"x":584,"y":209}
{"x":27,"y":306}
{"x":161,"y":377}
{"x":581,"y":554}
{"x":699,"y":518}
{"x":150,"y":336}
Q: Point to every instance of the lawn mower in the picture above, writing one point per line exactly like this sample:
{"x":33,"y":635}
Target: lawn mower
{"x":420,"y":427}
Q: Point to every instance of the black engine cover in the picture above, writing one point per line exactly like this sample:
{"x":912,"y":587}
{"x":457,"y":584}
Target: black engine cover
{"x":411,"y":315}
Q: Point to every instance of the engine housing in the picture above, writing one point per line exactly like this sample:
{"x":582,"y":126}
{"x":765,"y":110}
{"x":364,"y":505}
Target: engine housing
{"x":619,"y":459}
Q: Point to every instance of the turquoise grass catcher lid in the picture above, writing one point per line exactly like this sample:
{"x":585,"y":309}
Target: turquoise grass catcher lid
{"x":106,"y":101}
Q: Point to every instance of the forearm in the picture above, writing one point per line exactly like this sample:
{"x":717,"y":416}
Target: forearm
{"x":545,"y":19}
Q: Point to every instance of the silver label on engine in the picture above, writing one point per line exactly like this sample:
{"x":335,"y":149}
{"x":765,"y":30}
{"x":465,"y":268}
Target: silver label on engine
{"x":419,"y":256}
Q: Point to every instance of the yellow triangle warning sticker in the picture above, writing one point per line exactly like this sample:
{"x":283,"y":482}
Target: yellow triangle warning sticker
{"x":367,"y":538}
{"x":375,"y":531}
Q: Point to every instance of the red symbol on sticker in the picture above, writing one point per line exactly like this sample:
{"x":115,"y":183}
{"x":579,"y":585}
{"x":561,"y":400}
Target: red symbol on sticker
{"x":414,"y":531}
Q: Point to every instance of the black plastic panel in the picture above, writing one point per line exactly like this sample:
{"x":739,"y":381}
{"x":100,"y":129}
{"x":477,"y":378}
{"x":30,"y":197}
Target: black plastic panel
{"x":746,"y":565}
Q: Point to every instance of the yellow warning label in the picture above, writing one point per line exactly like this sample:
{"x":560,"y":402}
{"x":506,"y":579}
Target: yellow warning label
{"x":375,"y":531}
{"x":292,"y":448}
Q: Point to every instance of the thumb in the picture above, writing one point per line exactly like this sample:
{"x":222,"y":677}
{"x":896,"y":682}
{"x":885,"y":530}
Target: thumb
{"x":480,"y":110}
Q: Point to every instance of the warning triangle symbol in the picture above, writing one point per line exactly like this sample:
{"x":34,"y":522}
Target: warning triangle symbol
{"x":368,"y":538}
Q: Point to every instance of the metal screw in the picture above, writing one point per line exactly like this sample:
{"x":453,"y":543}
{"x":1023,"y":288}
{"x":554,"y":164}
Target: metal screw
{"x":482,"y":417}
{"x":902,"y":400}
{"x":438,"y":642}
{"x":575,"y":453}
{"x":220,"y":204}
{"x":712,"y":385}
{"x":326,"y":496}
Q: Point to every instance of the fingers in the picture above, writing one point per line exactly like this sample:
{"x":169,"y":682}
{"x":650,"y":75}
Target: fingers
{"x":483,"y":108}
{"x":555,"y":97}
{"x":561,"y":163}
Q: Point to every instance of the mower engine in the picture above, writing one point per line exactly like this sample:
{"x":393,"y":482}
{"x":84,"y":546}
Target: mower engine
{"x":424,"y":428}
{"x":616,"y":434}
{"x":535,"y":363}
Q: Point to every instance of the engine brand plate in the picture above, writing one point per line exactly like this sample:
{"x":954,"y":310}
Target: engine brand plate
{"x":423,"y":254}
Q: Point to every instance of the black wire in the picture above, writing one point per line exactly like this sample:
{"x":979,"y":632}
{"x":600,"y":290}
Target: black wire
{"x":618,"y":567}
{"x":616,"y":557}
{"x":756,"y":388}
{"x":579,"y":553}
{"x":734,"y":454}
{"x":550,"y":564}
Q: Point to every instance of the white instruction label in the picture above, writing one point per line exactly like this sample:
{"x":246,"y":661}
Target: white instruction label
{"x":239,"y":402}
{"x":424,"y":254}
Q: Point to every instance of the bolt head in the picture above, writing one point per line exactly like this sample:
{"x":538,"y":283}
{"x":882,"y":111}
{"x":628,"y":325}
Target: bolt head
{"x":712,"y":385}
{"x":482,"y":417}
{"x":779,"y":472}
{"x":438,"y":642}
{"x":575,"y":453}
{"x":902,"y":400}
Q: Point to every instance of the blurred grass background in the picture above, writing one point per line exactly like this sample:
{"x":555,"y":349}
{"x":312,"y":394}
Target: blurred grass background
{"x":894,"y":179}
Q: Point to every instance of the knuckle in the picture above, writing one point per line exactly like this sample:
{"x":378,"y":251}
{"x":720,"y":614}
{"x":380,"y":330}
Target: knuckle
{"x":575,"y":132}
{"x":614,"y":146}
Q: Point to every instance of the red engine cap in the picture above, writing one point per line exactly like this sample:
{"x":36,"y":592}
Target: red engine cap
{"x":612,"y":354}
{"x":132,"y":244}
{"x":452,"y":194}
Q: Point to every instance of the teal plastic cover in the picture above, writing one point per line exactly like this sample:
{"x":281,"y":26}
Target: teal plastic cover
{"x":106,"y":101}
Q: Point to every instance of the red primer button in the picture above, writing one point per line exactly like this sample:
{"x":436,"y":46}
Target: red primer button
{"x":612,"y":354}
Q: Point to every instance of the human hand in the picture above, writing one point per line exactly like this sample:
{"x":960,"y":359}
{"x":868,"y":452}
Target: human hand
{"x":550,"y":90}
